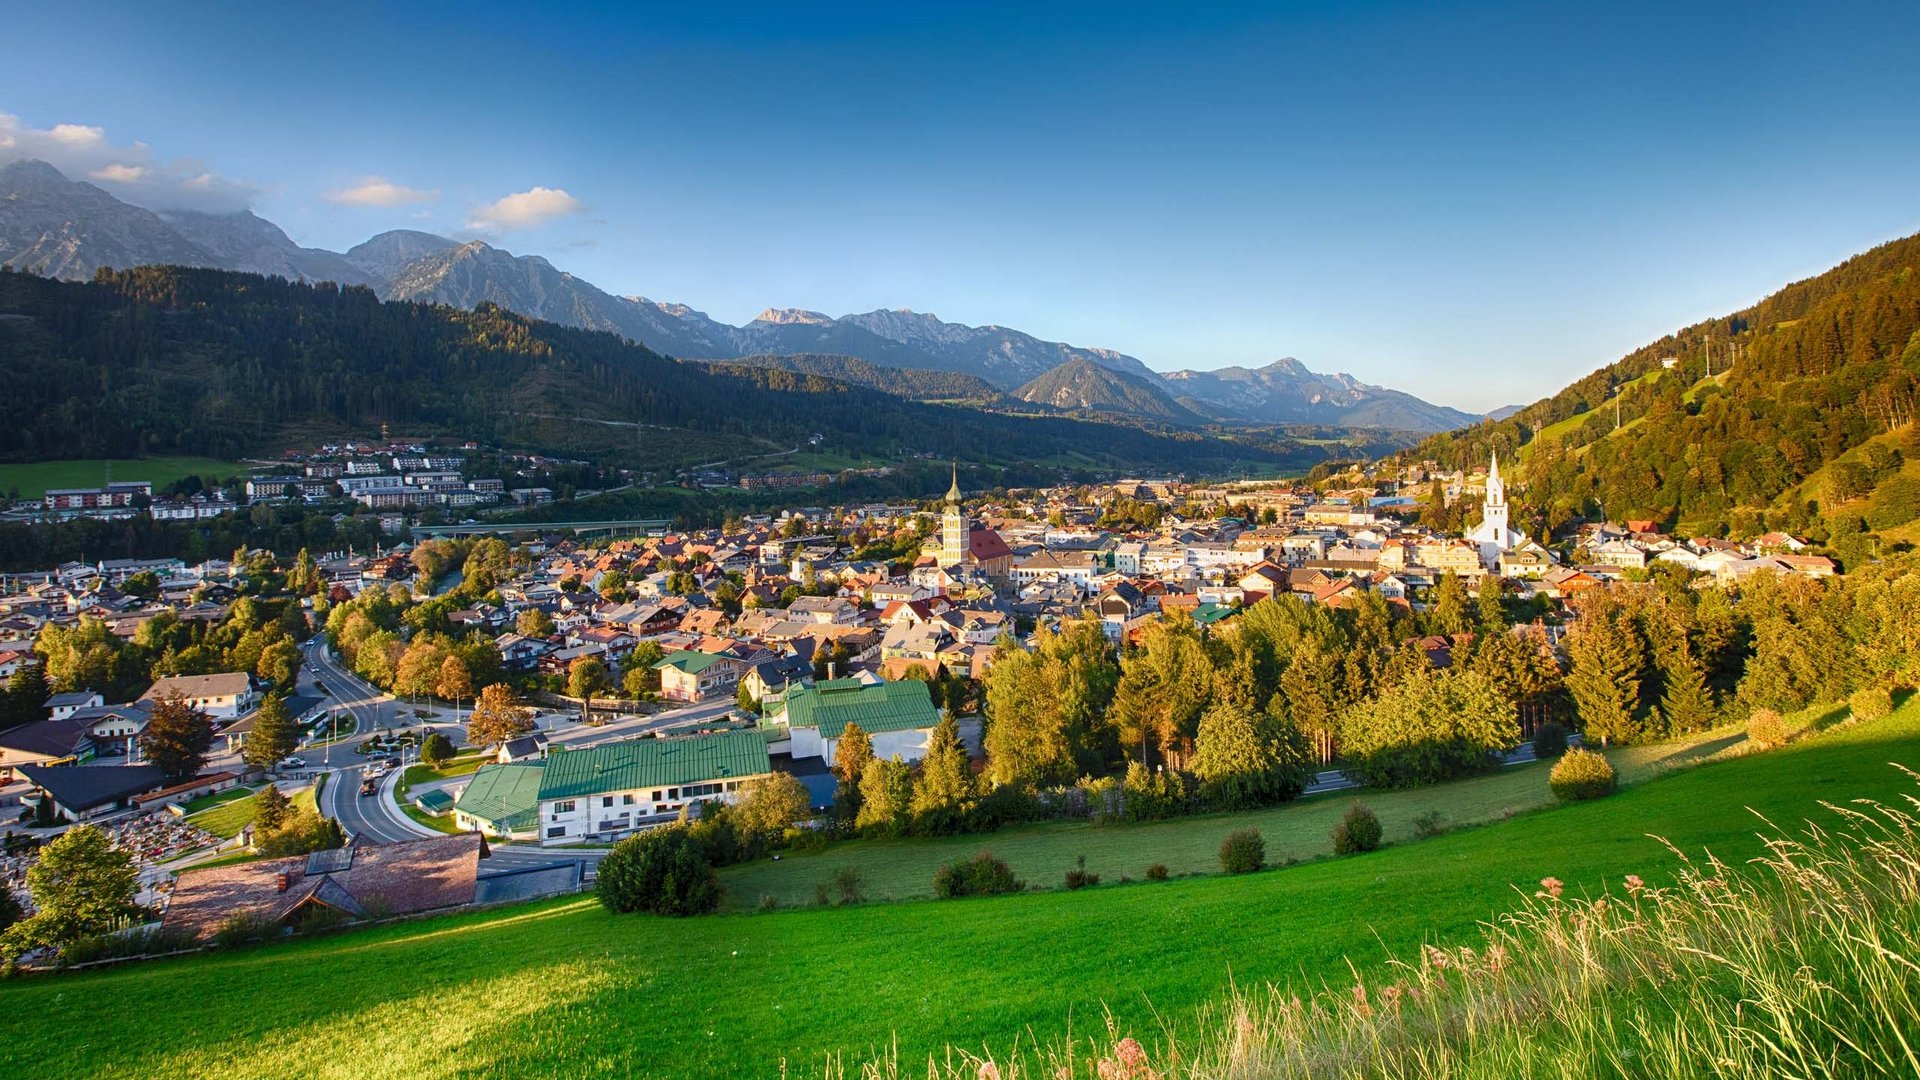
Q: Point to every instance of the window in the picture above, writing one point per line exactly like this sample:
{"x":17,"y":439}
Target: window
{"x":557,"y":830}
{"x":656,"y":796}
{"x":564,"y":806}
{"x":627,"y":799}
{"x":673,"y":793}
{"x":696,"y":790}
{"x":606,"y":801}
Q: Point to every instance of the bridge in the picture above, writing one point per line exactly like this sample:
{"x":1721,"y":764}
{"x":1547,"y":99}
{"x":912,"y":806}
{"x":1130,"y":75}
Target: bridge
{"x":632,"y":527}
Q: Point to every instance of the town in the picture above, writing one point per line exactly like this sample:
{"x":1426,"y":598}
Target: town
{"x":625,"y":683}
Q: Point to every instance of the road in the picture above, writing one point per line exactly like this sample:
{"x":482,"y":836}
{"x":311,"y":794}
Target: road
{"x":378,"y":819}
{"x":1335,"y":780}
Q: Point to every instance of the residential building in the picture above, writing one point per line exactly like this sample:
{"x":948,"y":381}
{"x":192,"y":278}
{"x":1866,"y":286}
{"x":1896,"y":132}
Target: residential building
{"x":607,"y":791}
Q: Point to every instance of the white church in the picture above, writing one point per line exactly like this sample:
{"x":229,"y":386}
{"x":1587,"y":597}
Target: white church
{"x":1493,"y":536}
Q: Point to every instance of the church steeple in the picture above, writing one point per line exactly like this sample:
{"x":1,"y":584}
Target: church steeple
{"x":954,"y":530}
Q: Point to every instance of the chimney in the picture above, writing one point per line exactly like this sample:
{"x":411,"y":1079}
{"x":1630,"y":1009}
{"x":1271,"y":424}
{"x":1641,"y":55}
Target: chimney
{"x":280,"y":882}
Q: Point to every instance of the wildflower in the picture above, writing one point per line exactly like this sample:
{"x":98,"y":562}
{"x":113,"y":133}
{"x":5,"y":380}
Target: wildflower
{"x":1496,"y":958}
{"x":1551,"y":886}
{"x":1129,"y":1062}
{"x":1634,"y":884}
{"x":1360,"y":1000}
{"x":1390,"y":996}
{"x":1438,"y":958}
{"x":988,"y":1071}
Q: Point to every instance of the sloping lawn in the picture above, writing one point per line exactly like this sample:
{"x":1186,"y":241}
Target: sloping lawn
{"x":1042,"y":854}
{"x":232,"y":812}
{"x":563,"y":989}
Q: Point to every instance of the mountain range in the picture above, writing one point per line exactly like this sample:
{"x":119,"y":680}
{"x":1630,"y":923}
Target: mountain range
{"x":61,"y":228}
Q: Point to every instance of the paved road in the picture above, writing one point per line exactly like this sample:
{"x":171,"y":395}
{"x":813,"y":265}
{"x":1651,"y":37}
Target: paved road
{"x":1335,"y":780}
{"x":378,"y":818}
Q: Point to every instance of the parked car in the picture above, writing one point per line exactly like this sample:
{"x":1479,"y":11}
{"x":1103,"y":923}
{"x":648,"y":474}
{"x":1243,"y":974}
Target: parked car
{"x":294,"y":763}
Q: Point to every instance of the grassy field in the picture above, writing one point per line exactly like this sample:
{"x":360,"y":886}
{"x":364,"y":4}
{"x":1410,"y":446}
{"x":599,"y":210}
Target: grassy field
{"x":229,"y":812}
{"x":563,"y":989}
{"x":1041,"y":855}
{"x":33,"y":479}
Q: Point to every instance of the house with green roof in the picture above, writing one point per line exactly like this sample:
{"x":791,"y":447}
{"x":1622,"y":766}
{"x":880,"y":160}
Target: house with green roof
{"x":604,"y":792}
{"x":898,"y":716}
{"x":696,"y":676}
{"x":501,"y":801}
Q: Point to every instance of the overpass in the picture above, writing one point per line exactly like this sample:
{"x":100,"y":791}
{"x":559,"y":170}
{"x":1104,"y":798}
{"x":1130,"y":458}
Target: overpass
{"x":631,"y":527}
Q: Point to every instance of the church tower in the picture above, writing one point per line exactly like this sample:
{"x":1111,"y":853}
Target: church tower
{"x":953,"y":526}
{"x":1493,"y":511}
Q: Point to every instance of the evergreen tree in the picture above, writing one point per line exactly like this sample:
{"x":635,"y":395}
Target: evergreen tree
{"x":274,"y":735}
{"x":1608,"y":665}
{"x":943,"y":793}
{"x":851,"y":752}
{"x":1451,"y":613}
{"x":270,"y":809}
{"x":1687,"y":705}
{"x":886,"y":795}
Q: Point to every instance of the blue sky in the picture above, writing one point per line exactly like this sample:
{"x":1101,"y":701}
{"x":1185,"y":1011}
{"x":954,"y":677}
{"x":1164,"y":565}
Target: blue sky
{"x":1474,"y":202}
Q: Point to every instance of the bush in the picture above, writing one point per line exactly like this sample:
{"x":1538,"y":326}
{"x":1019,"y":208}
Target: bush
{"x":769,"y":902}
{"x":982,"y":875}
{"x":1549,"y":740}
{"x":1242,"y":852}
{"x":1871,"y":703}
{"x":1429,"y":825}
{"x":1079,"y":877}
{"x":663,"y":871}
{"x":1359,"y":830}
{"x":1766,"y":729}
{"x":246,"y":929}
{"x":1582,"y":774}
{"x":846,"y":884}
{"x":1157,"y":872}
{"x":437,"y":750}
{"x":151,"y":941}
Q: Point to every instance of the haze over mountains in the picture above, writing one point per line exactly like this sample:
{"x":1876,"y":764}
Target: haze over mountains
{"x":57,"y":227}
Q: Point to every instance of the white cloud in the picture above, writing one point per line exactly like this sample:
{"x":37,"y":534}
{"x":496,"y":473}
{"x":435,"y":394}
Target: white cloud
{"x":531,"y":207}
{"x":129,"y":172}
{"x":379,"y":191}
{"x":118,"y":173}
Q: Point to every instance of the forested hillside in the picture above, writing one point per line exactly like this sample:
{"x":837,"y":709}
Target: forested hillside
{"x":915,"y":383}
{"x":1811,"y":373}
{"x":172,"y":360}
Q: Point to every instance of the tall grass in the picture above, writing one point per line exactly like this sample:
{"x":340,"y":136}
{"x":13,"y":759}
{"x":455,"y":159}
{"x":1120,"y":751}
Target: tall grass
{"x":1801,"y":963}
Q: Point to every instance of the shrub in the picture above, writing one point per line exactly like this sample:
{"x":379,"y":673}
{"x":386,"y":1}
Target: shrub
{"x":152,"y":941}
{"x":1549,"y":740}
{"x":1157,"y":872}
{"x":437,"y":750}
{"x":1871,"y":703}
{"x":1428,"y":728}
{"x":1766,"y":729}
{"x":769,"y":902}
{"x":663,"y":871}
{"x":981,"y":875}
{"x":846,"y":884}
{"x":1429,"y":825}
{"x":1358,"y":830}
{"x":1080,"y":877}
{"x":246,"y":929}
{"x":1242,"y":852}
{"x":822,"y":894}
{"x":1582,"y":774}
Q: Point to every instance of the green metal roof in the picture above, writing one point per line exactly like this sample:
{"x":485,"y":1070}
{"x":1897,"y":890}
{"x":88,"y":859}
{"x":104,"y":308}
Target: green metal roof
{"x":693,"y":663}
{"x":433,"y":802}
{"x":889,"y":706}
{"x":653,"y":763}
{"x":1206,"y":614}
{"x":508,"y":796}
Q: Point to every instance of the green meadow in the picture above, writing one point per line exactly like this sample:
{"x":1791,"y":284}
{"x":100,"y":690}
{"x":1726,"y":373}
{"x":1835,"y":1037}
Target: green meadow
{"x":34,"y":478}
{"x":563,"y":989}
